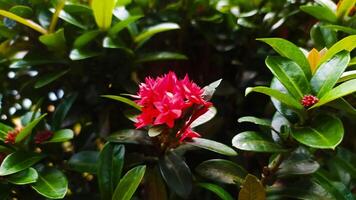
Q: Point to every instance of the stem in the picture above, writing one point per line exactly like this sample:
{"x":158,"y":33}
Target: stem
{"x":269,"y":171}
{"x":55,"y":16}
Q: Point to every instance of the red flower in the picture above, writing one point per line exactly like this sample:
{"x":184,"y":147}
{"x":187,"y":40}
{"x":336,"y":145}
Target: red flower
{"x":165,"y":99}
{"x":43,"y":136}
{"x":187,"y":134}
{"x":309,"y":100}
{"x":11,"y":136}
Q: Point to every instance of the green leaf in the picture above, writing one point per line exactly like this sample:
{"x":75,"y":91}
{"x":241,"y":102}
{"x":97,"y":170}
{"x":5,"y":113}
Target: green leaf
{"x":339,"y":91}
{"x":329,"y":73}
{"x":219,"y":191}
{"x":102,"y":10}
{"x":123,"y":100}
{"x":22,"y":11}
{"x":81,"y":54}
{"x":252,"y":189}
{"x":130,"y":136}
{"x":284,"y":98}
{"x":85,"y":38}
{"x":322,"y":13}
{"x":54,"y":41}
{"x":84,"y":161}
{"x":343,"y":105}
{"x":212,"y":146}
{"x":297,"y":163}
{"x":323,"y":36}
{"x":49,"y":78}
{"x":255,"y":120}
{"x":157,"y":56}
{"x":290,"y":75}
{"x":331,"y":187}
{"x":325,"y":132}
{"x":61,"y":136}
{"x":129,"y":183}
{"x":344,"y":29}
{"x":344,"y":8}
{"x":347,"y":43}
{"x":62,"y":110}
{"x":23,"y":21}
{"x":210,"y":89}
{"x":28,"y":129}
{"x":253,"y":141}
{"x":176,"y":174}
{"x":210,"y":114}
{"x":111,"y":162}
{"x":69,"y":19}
{"x":289,"y":50}
{"x":349,"y":75}
{"x":51,"y":183}
{"x":123,"y":24}
{"x":18,"y":161}
{"x":24,"y":177}
{"x":155,"y":131}
{"x":223,"y":171}
{"x":153,"y":30}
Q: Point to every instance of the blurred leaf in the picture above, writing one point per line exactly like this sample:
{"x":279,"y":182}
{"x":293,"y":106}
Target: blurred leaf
{"x":329,"y":73}
{"x":27,"y":63}
{"x":22,"y":11}
{"x":129,"y":183}
{"x":62,"y":110}
{"x":130,"y":136}
{"x":290,"y":75}
{"x":61,"y":136}
{"x":5,"y":190}
{"x":18,"y":161}
{"x":51,"y":183}
{"x":155,"y":184}
{"x":28,"y":129}
{"x":320,"y":12}
{"x":176,"y":174}
{"x":123,"y":24}
{"x":123,"y":100}
{"x":212,"y":146}
{"x":332,"y":187}
{"x":246,"y":23}
{"x":49,"y":78}
{"x":85,"y":38}
{"x":111,"y":162}
{"x":54,"y":41}
{"x":253,"y":141}
{"x":69,"y":19}
{"x":81,"y":54}
{"x":219,"y":191}
{"x":339,"y":91}
{"x":344,"y":8}
{"x":24,"y":177}
{"x":210,"y":89}
{"x":23,"y":21}
{"x":153,"y":30}
{"x":349,"y":75}
{"x":284,"y":98}
{"x":289,"y":50}
{"x":84,"y":161}
{"x":102,"y":10}
{"x":252,"y":188}
{"x":325,"y":132}
{"x":155,"y":131}
{"x":345,"y":29}
{"x":343,"y":105}
{"x":223,"y":171}
{"x":163,"y":55}
{"x":206,"y":117}
{"x":255,"y":120}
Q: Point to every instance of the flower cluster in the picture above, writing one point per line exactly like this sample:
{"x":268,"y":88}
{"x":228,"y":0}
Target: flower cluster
{"x":165,"y":99}
{"x":11,"y":136}
{"x":43,"y":136}
{"x":309,"y":100}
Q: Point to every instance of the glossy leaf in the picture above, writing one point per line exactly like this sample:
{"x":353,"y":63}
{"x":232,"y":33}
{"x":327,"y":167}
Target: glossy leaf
{"x":253,"y":141}
{"x":102,"y":10}
{"x":210,"y":89}
{"x":129,"y":183}
{"x":255,"y":120}
{"x":289,"y":50}
{"x":123,"y":24}
{"x":123,"y":100}
{"x":155,"y":131}
{"x":343,"y":105}
{"x":332,"y":187}
{"x":206,"y":117}
{"x":69,"y":18}
{"x":176,"y":173}
{"x":54,"y":41}
{"x":325,"y":132}
{"x":151,"y":31}
{"x":85,"y":38}
{"x":130,"y":136}
{"x":347,"y":43}
{"x":320,"y":12}
{"x":157,"y":56}
{"x":345,"y":29}
{"x":62,"y":110}
{"x":349,"y":75}
{"x":339,"y":91}
{"x":22,"y":11}
{"x":290,"y":75}
{"x":81,"y":54}
{"x":219,"y":191}
{"x":322,"y":36}
{"x":223,"y":171}
{"x":284,"y":98}
{"x":344,"y":8}
{"x":51,"y":183}
{"x":212,"y":146}
{"x":111,"y":162}
{"x":28,"y":129}
{"x":24,"y":177}
{"x":252,"y":189}
{"x":61,"y":136}
{"x":329,"y":73}
{"x":18,"y":161}
{"x":84,"y":161}
{"x":49,"y":78}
